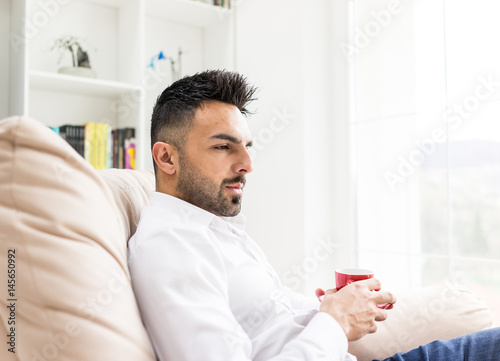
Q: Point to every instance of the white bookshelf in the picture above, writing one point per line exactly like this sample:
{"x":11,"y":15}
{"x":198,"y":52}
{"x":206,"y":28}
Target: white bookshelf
{"x":125,"y":35}
{"x":79,"y":85}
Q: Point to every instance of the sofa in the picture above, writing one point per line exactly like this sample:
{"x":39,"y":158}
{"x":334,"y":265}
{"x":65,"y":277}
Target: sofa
{"x":66,"y":291}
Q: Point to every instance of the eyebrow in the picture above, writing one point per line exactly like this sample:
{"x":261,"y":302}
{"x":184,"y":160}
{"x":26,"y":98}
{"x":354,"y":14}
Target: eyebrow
{"x":229,"y":138}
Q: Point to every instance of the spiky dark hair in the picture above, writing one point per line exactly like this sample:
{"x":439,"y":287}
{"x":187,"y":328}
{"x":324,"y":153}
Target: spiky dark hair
{"x":175,"y":108}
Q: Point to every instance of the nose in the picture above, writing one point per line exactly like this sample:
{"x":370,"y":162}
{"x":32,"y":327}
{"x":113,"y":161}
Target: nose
{"x":245,"y":163}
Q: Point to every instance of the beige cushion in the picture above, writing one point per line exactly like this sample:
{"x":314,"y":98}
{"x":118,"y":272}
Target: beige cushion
{"x":130,"y":189}
{"x":73,"y":291}
{"x":437,"y":312}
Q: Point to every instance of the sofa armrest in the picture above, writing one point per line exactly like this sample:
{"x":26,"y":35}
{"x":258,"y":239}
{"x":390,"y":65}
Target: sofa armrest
{"x":67,"y":231}
{"x":432,"y":313}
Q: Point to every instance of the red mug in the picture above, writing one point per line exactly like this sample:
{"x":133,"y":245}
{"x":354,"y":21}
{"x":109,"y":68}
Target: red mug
{"x":346,"y":276}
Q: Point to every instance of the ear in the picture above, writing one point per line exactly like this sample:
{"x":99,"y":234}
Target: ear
{"x":165,"y":156}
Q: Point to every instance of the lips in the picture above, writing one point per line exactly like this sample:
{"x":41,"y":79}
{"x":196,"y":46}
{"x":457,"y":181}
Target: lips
{"x":236,"y":188}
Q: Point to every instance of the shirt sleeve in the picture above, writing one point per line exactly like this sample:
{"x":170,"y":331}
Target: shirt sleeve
{"x":181,"y":289}
{"x":301,"y":302}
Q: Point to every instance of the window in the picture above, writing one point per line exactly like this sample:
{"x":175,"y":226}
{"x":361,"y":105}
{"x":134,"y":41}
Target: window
{"x":426,"y":128}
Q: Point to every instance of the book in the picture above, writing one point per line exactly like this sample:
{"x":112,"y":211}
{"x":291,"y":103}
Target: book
{"x":121,"y":148}
{"x":114,"y":134}
{"x":100,"y":145}
{"x":80,"y":139}
{"x":74,"y":135}
{"x":129,"y":148}
{"x":56,"y":129}
{"x":89,"y":148}
{"x":62,"y":131}
{"x":109,"y":149}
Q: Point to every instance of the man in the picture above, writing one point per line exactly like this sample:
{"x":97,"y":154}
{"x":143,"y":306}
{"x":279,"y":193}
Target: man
{"x":204,"y":288}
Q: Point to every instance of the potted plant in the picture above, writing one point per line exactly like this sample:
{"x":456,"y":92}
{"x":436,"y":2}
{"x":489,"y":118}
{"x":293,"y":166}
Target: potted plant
{"x":79,"y":57}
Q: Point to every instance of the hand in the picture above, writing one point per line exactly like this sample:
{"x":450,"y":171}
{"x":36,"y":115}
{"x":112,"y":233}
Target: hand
{"x":354,"y":307}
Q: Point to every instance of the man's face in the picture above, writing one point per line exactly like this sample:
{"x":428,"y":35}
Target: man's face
{"x":215,"y":160}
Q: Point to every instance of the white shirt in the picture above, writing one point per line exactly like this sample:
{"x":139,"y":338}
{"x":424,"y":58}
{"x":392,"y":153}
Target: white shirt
{"x":207,"y":293}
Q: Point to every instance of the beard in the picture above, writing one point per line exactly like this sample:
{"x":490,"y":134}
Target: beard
{"x":199,"y":190}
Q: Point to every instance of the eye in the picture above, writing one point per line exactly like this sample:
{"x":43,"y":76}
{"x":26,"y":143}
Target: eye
{"x":222,"y":147}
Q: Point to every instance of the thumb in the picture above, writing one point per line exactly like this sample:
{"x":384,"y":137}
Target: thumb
{"x":319,"y":293}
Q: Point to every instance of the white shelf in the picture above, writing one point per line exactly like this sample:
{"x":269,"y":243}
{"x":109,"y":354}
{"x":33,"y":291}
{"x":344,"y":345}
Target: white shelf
{"x":187,"y":12}
{"x":110,"y":3}
{"x":79,"y":85}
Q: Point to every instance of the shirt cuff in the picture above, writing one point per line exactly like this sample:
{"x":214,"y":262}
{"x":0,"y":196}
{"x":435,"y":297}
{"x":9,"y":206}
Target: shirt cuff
{"x":329,"y":334}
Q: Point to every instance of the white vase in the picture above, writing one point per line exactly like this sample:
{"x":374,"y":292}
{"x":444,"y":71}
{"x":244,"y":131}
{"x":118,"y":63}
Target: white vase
{"x":77,"y":71}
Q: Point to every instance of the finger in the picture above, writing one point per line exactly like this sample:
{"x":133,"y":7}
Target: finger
{"x":384,"y":297}
{"x":381,"y":316}
{"x":331,"y":291}
{"x":373,"y":284}
{"x":373,"y":328}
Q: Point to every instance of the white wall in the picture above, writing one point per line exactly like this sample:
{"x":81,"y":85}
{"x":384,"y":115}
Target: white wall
{"x":268,"y":53}
{"x":4,"y":57}
{"x":287,"y":49}
{"x":162,"y":35}
{"x":327,"y":142}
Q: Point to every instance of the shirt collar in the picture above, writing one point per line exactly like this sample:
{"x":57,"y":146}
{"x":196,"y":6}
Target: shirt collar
{"x":238,"y":221}
{"x":190,"y":212}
